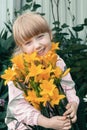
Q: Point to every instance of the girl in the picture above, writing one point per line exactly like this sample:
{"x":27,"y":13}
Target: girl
{"x":32,"y":33}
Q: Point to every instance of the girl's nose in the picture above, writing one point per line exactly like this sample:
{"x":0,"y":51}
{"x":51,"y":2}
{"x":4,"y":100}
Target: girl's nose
{"x":37,"y":46}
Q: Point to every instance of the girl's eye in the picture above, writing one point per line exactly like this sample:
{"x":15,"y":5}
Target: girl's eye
{"x":28,"y":43}
{"x":40,"y":36}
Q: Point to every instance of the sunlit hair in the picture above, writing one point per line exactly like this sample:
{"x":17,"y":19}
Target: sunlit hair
{"x":28,"y":25}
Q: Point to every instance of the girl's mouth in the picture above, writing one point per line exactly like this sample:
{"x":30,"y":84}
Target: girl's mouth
{"x":41,"y":51}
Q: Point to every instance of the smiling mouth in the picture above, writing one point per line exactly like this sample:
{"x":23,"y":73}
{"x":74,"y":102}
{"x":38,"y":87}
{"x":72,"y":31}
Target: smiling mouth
{"x":41,"y":52}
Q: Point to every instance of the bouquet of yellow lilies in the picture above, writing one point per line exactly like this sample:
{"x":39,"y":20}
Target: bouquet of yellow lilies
{"x":39,"y":78}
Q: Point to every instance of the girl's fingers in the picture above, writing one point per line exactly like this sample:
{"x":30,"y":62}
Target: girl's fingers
{"x":67,"y":127}
{"x":73,"y":120}
{"x":72,"y":115}
{"x":67,"y":112}
{"x":67,"y":124}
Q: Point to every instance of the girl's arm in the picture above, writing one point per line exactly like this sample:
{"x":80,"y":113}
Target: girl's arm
{"x":67,"y":83}
{"x":68,"y":86}
{"x":19,"y":109}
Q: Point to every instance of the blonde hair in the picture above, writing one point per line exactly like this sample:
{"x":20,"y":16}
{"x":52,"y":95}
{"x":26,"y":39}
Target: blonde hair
{"x":28,"y":25}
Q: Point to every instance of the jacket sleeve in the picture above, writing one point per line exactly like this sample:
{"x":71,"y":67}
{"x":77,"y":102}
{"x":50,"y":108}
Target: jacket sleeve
{"x":67,"y":83}
{"x":19,"y":108}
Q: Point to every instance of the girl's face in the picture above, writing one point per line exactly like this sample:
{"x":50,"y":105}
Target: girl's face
{"x":40,"y":43}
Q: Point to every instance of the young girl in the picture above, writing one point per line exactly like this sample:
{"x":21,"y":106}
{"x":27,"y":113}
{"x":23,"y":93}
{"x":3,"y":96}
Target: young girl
{"x":32,"y":33}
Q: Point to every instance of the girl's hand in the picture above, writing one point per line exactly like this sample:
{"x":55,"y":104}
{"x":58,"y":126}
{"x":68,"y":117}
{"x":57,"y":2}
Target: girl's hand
{"x":56,"y":122}
{"x":71,"y":111}
{"x":60,"y":123}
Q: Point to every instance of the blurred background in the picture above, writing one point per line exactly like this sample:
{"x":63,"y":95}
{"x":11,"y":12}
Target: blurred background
{"x":68,"y":21}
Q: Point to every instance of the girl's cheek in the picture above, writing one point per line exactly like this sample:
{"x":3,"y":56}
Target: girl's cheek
{"x":30,"y":50}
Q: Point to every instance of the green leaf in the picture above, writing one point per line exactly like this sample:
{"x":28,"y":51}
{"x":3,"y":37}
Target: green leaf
{"x":9,"y":28}
{"x":29,"y":1}
{"x":27,"y":6}
{"x":7,"y":44}
{"x":56,"y":23}
{"x":57,"y":29}
{"x":65,"y":25}
{"x":3,"y":34}
{"x":36,"y":6}
{"x":78,"y":28}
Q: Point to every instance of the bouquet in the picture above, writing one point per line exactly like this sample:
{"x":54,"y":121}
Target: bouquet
{"x":39,"y":78}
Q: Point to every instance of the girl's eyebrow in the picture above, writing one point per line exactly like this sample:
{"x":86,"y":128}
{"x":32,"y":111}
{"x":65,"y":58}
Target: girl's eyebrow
{"x":38,"y":35}
{"x":41,"y":34}
{"x":28,"y":41}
